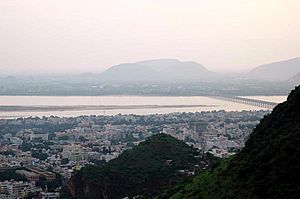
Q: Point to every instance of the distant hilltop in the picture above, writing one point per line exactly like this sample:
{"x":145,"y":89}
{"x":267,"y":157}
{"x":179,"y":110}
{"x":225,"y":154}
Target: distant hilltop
{"x":295,"y":79}
{"x":276,"y":71}
{"x":166,"y":70}
{"x":164,"y":77}
{"x":157,"y":70}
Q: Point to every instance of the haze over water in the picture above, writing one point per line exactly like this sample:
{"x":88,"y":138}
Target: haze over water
{"x":137,"y":104}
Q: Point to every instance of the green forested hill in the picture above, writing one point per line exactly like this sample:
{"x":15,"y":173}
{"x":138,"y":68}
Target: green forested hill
{"x":267,"y":168}
{"x":144,"y":170}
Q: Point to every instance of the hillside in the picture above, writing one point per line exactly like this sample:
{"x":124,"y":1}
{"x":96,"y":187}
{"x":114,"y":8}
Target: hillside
{"x":277,"y":71}
{"x":295,"y":80}
{"x":156,"y":70}
{"x":268,"y":166}
{"x":148,"y":167}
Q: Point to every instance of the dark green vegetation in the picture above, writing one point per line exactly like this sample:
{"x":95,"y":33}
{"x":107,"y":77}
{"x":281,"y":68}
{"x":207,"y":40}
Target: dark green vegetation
{"x":268,"y":166}
{"x":52,"y":185}
{"x":144,"y":170}
{"x":10,"y":174}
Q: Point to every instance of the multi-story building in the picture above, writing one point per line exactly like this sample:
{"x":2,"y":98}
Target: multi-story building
{"x":75,"y":152}
{"x":49,"y":195}
{"x":31,"y":176}
{"x":16,"y":189}
{"x":42,"y":136}
{"x":49,"y":176}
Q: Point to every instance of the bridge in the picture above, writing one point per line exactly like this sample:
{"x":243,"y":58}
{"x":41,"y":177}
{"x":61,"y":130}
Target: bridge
{"x":248,"y":101}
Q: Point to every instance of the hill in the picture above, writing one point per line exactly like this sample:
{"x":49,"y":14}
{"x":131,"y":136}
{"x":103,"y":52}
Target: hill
{"x":145,"y":169}
{"x":277,"y":71}
{"x":295,"y":79}
{"x":156,"y":70}
{"x":267,"y":167}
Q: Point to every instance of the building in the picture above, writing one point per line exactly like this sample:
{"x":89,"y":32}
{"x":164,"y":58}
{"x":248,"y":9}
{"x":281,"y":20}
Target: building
{"x":31,"y":176}
{"x":49,"y":195}
{"x":49,"y":176}
{"x":16,"y":140}
{"x":75,"y":152}
{"x":16,"y":189}
{"x":37,"y":136}
{"x":198,"y":127}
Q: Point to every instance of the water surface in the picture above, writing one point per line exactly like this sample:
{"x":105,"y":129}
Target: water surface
{"x":99,"y":105}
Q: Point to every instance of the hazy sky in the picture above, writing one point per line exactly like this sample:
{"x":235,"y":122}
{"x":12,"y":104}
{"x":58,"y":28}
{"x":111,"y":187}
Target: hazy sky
{"x":41,"y":36}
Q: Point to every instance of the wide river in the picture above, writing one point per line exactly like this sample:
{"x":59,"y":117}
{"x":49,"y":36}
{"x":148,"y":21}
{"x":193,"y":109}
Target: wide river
{"x":71,"y":106}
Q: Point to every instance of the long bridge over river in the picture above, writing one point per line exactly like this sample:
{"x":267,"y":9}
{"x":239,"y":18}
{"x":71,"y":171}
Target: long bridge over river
{"x":248,"y":101}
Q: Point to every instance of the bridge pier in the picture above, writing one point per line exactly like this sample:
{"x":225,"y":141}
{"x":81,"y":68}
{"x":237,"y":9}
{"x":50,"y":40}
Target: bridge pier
{"x":247,"y":101}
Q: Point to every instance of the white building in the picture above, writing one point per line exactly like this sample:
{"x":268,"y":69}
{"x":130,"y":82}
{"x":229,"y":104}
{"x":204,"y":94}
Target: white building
{"x":49,"y":195}
{"x":16,"y":140}
{"x":43,"y":136}
{"x":75,"y":152}
{"x":16,"y":189}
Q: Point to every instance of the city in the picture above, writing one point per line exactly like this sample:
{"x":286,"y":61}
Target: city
{"x":46,"y":152}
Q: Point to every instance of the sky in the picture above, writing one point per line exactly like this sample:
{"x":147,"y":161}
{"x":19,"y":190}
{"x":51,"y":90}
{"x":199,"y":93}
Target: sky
{"x":76,"y":36}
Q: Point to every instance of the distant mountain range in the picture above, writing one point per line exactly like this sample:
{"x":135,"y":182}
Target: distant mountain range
{"x":277,"y":71}
{"x":160,"y":77}
{"x":166,"y":70}
{"x":295,"y":79}
{"x":157,"y":70}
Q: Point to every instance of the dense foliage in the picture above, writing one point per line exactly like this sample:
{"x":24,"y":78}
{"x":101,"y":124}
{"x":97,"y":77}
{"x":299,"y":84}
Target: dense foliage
{"x":51,"y":185}
{"x":144,"y":170}
{"x":268,"y":166}
{"x":10,"y":174}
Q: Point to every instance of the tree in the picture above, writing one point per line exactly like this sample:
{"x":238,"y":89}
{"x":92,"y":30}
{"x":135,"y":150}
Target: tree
{"x":41,"y":156}
{"x":65,"y":161}
{"x":81,"y":139}
{"x":25,"y":146}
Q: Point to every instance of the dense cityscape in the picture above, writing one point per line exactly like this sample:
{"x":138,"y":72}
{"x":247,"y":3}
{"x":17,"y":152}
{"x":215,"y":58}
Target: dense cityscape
{"x":39,"y":155}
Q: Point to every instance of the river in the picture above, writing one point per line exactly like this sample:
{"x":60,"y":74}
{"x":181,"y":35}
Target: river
{"x":71,"y":106}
